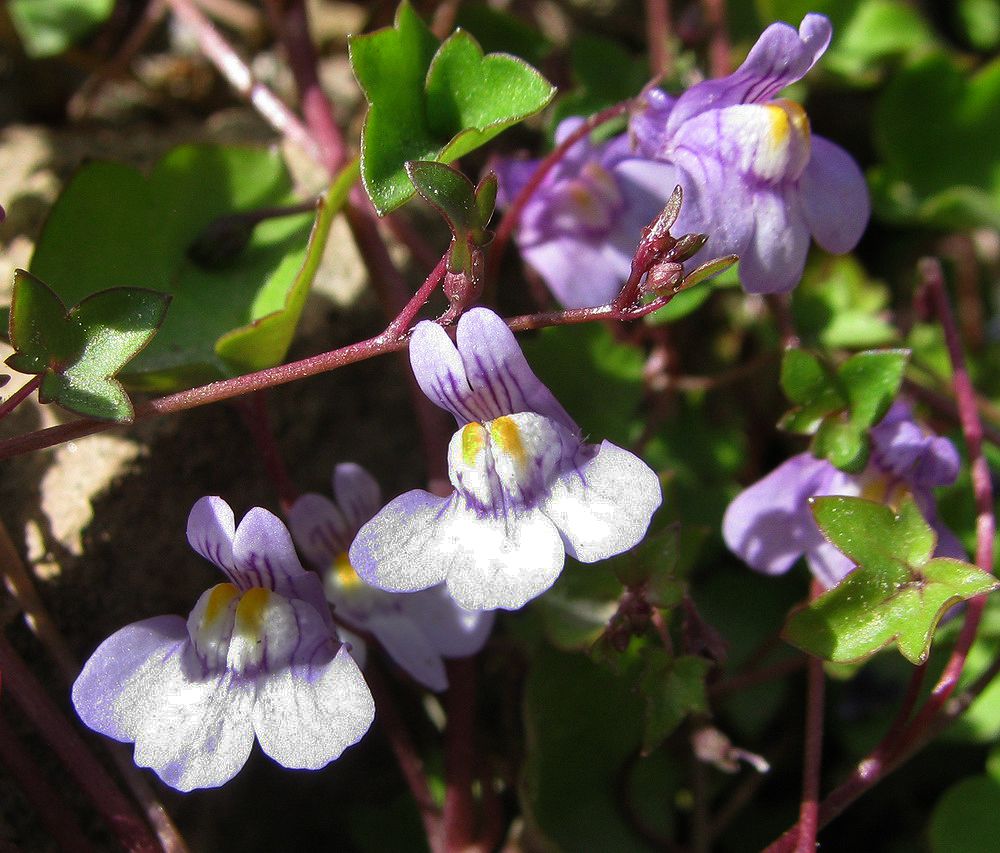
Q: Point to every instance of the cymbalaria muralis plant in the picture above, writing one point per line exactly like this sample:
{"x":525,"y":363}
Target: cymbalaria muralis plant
{"x":656,"y":316}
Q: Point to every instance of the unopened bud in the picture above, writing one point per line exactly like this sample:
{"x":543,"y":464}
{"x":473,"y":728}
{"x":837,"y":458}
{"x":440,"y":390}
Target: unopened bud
{"x":687,"y":246}
{"x":664,"y":277}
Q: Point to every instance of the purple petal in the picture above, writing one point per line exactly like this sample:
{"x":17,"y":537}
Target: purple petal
{"x":357,"y":492}
{"x":603,"y":507}
{"x":648,"y":122}
{"x":263,"y":551}
{"x":439,"y":371}
{"x":780,"y":57}
{"x":108,"y":694}
{"x":210,"y":531}
{"x":419,"y":540}
{"x":400,"y":549}
{"x":512,"y":176}
{"x":407,"y":645}
{"x":452,"y":630}
{"x":580,"y":273}
{"x":306,"y":715}
{"x":319,"y":529}
{"x":904,"y":450}
{"x":498,"y":372}
{"x":776,"y":255}
{"x":834,"y":197}
{"x":768,"y":525}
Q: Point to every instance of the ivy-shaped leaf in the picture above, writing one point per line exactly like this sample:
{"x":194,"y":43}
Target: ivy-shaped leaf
{"x":433,"y":102}
{"x":897,"y":594}
{"x":78,"y":352}
{"x":839,"y":406}
{"x":673,"y":689}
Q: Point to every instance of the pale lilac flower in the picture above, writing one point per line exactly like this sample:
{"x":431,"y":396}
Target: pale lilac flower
{"x":581,"y":226}
{"x":755,"y":179}
{"x":769,"y":525}
{"x":528,"y":490}
{"x":416,"y":629}
{"x":258,"y":656}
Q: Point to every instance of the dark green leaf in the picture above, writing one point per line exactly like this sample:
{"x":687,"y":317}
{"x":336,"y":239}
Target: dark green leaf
{"x":967,"y":819}
{"x":48,"y":27}
{"x":576,"y":610}
{"x":673,"y":689}
{"x":111,"y":226}
{"x":872,"y":380}
{"x":812,"y":386}
{"x":842,"y":443}
{"x":450,"y":193}
{"x":981,"y":20}
{"x":79,"y":352}
{"x":897,"y":594}
{"x":430,"y":102}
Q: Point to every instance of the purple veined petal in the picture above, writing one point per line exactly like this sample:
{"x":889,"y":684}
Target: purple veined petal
{"x":419,"y":540}
{"x":440,"y":373}
{"x":452,"y":630}
{"x":263,"y":551}
{"x":402,"y":548}
{"x":498,"y":372}
{"x":902,"y":449}
{"x":319,"y":529}
{"x":307,"y":714}
{"x":211,"y":527}
{"x":357,"y":493}
{"x":580,"y":273}
{"x":781,"y":56}
{"x":834,"y":197}
{"x":194,"y":732}
{"x":774,"y":259}
{"x":769,"y":525}
{"x":116,"y":684}
{"x":603,"y":506}
{"x":407,"y":645}
{"x":828,"y":564}
{"x":646,"y":186}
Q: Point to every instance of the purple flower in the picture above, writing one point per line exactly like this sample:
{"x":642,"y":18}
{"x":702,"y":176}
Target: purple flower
{"x":528,"y":490}
{"x":258,"y":656}
{"x":416,"y":629}
{"x":581,"y":226}
{"x":769,"y":525}
{"x":754,"y":177}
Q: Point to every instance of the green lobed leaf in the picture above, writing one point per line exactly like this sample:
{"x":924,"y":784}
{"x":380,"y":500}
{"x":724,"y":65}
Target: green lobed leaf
{"x":49,"y":27}
{"x":431,"y":102}
{"x":841,"y":443}
{"x":576,"y":610}
{"x":112,"y":226}
{"x":673,"y":689}
{"x":897,"y":594}
{"x":813,"y":387}
{"x":872,"y":380}
{"x":79,"y":352}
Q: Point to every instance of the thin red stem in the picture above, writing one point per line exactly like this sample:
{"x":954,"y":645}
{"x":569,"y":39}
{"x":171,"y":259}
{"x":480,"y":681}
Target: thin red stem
{"x":239,"y":76}
{"x":116,"y":809}
{"x":460,"y":756}
{"x":657,"y":32}
{"x":20,"y":395}
{"x":513,"y":213}
{"x":809,"y":808}
{"x":258,"y":420}
{"x":291,"y":22}
{"x":719,"y":50}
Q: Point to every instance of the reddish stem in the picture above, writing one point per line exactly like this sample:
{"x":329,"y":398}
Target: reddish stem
{"x":20,"y":395}
{"x":44,"y":799}
{"x":813,"y":752}
{"x":291,"y":22}
{"x":239,"y":76}
{"x":117,"y":811}
{"x":460,"y":757}
{"x":258,"y":420}
{"x":719,"y":51}
{"x":513,"y":213}
{"x":657,"y":32}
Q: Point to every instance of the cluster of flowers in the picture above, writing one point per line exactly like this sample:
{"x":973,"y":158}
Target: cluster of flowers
{"x":755,"y":179}
{"x":260,"y":654}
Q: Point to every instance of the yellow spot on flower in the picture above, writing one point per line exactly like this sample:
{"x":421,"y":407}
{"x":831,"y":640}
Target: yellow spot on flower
{"x":219,"y":599}
{"x":507,"y":437}
{"x":795,"y":114}
{"x":343,"y":572}
{"x":473,"y":441}
{"x":250,"y":612}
